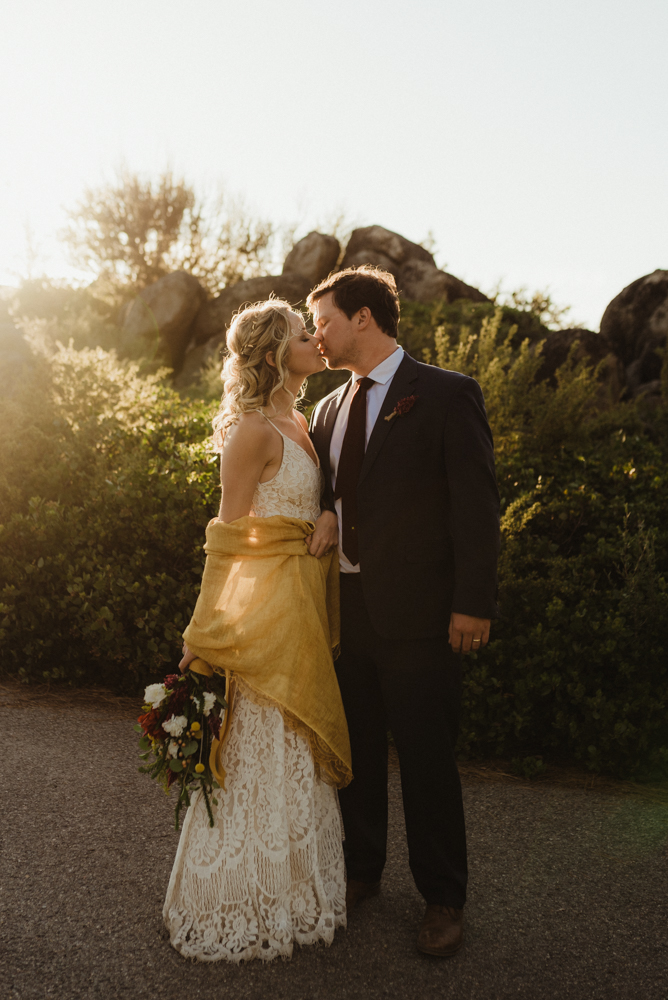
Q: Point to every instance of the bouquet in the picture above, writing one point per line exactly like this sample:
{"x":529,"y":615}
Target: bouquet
{"x":181,"y":719}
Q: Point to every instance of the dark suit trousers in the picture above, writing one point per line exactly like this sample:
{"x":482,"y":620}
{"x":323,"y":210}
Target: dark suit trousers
{"x":412,"y":688}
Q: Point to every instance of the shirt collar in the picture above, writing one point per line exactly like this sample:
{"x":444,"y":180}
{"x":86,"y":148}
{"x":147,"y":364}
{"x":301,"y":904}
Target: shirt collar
{"x":386,"y":370}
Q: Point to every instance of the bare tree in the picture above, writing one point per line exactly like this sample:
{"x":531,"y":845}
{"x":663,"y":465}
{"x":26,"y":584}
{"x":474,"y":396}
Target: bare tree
{"x":223,"y":242}
{"x":135,"y":230}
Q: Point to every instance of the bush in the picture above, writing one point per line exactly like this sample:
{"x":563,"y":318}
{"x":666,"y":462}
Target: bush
{"x":108,"y":482}
{"x":578,"y":665}
{"x":106,"y":489}
{"x":84,"y":317}
{"x":461,"y":319}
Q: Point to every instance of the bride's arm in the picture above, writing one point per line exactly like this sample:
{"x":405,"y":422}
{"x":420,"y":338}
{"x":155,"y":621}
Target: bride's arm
{"x":251,"y":446}
{"x":326,"y":534}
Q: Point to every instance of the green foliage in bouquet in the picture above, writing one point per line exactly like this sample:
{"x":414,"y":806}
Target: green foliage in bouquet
{"x":180,"y":722}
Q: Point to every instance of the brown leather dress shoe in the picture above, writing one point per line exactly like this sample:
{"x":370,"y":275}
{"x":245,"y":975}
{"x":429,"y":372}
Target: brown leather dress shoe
{"x":357,"y":891}
{"x":441,"y":931}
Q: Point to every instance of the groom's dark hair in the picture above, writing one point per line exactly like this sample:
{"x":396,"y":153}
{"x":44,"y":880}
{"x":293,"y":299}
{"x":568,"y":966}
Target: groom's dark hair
{"x":363,"y":286}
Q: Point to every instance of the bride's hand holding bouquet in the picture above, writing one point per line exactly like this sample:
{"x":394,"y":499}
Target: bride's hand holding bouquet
{"x":180,"y":726}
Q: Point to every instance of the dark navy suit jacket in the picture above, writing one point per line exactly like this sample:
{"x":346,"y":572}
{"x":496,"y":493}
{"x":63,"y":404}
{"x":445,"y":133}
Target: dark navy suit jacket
{"x":428,"y":504}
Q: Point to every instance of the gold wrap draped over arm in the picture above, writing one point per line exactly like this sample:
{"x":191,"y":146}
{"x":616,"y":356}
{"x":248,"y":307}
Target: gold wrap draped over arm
{"x":268,"y":611}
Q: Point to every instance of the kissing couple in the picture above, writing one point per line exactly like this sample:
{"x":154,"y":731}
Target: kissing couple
{"x":350,"y":566}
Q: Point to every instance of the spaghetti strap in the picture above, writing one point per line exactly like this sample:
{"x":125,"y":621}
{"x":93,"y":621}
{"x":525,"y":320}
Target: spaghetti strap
{"x":291,"y":440}
{"x":272,"y":424}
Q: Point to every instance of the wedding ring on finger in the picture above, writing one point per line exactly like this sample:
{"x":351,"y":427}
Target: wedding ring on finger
{"x":476,"y":640}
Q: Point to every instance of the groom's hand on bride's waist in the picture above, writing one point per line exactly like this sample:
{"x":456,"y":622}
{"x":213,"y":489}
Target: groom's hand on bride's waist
{"x":325,"y":536}
{"x":467,"y":633}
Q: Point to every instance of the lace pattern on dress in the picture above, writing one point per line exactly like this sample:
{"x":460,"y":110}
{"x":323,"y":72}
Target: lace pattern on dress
{"x":296,"y":488}
{"x":271,"y":870}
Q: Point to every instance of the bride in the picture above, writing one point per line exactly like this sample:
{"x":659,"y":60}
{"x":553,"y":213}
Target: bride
{"x":270,"y":871}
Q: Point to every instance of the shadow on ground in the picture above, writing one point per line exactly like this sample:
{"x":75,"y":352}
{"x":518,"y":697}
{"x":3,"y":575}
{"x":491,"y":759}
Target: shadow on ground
{"x":568,"y":890}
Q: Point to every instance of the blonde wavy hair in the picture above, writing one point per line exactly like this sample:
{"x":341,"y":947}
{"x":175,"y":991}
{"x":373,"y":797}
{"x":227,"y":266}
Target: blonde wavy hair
{"x":249,"y":381}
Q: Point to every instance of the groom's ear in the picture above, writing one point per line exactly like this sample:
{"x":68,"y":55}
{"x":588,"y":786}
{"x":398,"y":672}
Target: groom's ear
{"x":363,"y":318}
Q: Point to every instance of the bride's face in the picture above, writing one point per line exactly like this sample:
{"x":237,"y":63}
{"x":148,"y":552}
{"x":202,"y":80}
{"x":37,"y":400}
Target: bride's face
{"x":303,"y":356}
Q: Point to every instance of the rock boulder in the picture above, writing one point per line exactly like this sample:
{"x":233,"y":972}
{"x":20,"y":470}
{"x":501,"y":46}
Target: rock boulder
{"x":214,"y":317}
{"x":313,"y":257}
{"x":644,"y":374}
{"x":382,"y":247}
{"x":593,"y":347}
{"x":164,"y":312}
{"x":421,"y":281}
{"x":413,"y":267}
{"x":636,"y":324}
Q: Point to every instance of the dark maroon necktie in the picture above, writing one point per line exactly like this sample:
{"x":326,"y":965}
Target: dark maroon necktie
{"x":349,"y":468}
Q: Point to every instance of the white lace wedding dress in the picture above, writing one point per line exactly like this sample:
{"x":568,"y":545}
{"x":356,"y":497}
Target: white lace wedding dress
{"x":271,"y":871}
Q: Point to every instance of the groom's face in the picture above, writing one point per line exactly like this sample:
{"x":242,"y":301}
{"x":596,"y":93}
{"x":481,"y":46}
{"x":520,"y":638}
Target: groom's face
{"x":334,"y":333}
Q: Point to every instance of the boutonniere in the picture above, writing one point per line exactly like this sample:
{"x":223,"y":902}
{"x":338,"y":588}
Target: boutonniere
{"x":404,"y":405}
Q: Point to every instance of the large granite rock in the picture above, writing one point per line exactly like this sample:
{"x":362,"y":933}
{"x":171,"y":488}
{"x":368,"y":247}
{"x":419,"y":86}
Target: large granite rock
{"x":313,"y":257}
{"x":215,"y":316}
{"x":592,"y":347}
{"x":413,"y":267}
{"x":421,"y":281}
{"x":197,"y":357}
{"x":164,"y":312}
{"x":636,"y":324}
{"x":643,"y":376}
{"x":382,"y":247}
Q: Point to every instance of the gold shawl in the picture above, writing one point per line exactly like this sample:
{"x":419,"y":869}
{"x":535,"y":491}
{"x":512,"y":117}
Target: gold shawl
{"x":268,"y":612}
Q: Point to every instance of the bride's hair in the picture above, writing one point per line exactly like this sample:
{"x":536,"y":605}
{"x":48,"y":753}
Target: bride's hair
{"x":249,"y":381}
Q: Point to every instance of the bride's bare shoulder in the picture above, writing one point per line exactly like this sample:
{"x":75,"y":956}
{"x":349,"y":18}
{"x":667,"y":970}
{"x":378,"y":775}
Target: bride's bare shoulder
{"x":301,"y":419}
{"x":250,"y":430}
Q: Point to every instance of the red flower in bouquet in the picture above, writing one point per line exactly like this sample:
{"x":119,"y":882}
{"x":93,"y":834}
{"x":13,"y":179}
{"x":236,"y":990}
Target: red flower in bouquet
{"x":182,"y":716}
{"x":151,"y":724}
{"x":178,"y":699}
{"x":403,"y":406}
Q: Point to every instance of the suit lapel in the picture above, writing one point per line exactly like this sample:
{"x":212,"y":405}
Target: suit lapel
{"x":323,"y":430}
{"x":401,"y":386}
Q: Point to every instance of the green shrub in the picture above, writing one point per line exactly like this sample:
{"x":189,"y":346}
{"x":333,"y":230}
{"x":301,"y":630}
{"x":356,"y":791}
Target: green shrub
{"x":578,"y":663}
{"x":461,"y":319}
{"x":106,"y":489}
{"x":107,"y":483}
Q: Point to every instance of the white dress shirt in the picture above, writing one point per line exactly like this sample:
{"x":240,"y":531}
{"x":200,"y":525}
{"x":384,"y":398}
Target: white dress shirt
{"x":382,"y":375}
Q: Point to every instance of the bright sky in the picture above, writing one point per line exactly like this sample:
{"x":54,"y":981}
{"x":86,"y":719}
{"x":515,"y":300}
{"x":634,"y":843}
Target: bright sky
{"x":529,"y":136}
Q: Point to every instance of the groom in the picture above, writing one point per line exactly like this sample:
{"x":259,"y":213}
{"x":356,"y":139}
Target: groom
{"x":407,"y":455}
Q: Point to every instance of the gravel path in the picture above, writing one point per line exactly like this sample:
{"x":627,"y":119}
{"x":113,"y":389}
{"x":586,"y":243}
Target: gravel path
{"x":568,"y":894}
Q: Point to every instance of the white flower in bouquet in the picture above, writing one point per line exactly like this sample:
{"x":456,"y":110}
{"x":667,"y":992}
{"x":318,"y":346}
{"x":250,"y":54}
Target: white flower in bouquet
{"x":172,"y":748}
{"x":175,"y":725}
{"x":154,"y":695}
{"x":209,"y":701}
